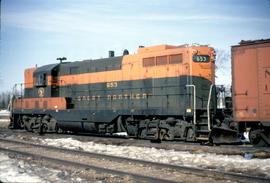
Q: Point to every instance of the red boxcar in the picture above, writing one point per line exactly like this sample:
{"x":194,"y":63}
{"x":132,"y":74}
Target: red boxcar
{"x":251,"y":88}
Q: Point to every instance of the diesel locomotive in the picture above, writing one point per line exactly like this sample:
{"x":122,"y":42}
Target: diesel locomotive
{"x":161,"y":93}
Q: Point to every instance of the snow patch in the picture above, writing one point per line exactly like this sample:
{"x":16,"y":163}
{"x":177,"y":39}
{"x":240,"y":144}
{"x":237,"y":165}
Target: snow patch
{"x":234,"y":163}
{"x":4,"y":113}
{"x":121,"y":134}
{"x":246,"y":137}
{"x":12,"y":170}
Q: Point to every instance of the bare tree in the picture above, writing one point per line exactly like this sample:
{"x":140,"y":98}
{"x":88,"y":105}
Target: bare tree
{"x":4,"y":99}
{"x":1,"y":80}
{"x":223,"y":69}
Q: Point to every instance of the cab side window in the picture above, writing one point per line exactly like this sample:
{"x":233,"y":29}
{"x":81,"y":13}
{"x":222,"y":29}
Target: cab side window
{"x":41,"y":80}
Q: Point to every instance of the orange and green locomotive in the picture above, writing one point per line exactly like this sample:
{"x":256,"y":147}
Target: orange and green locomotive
{"x":161,"y":92}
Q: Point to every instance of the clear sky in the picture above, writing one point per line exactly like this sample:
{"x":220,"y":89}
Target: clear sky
{"x":38,"y":31}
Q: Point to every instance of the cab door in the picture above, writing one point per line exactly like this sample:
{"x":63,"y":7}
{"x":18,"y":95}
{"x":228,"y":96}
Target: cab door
{"x":55,"y":83}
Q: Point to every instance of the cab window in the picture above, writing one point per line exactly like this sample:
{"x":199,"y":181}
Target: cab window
{"x":41,"y":80}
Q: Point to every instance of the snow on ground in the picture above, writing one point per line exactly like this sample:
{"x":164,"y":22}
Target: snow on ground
{"x":246,"y":139}
{"x":234,"y":163}
{"x":4,"y":113}
{"x":4,"y":121}
{"x":4,"y":118}
{"x":12,"y":170}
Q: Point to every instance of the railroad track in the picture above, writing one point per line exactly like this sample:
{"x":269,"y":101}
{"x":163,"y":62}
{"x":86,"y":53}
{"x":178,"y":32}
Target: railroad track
{"x":112,"y":164}
{"x":258,"y":152}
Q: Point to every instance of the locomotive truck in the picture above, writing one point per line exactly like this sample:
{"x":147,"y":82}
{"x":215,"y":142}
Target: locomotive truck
{"x":161,"y":92}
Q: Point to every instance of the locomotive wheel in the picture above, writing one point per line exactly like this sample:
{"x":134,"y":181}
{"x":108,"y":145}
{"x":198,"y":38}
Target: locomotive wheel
{"x":57,"y":129}
{"x":162,"y":134}
{"x":25,"y":120}
{"x":259,"y":137}
{"x":20,"y":122}
{"x":142,"y":133}
{"x":190,"y":135}
{"x":43,"y":128}
{"x":29,"y":124}
{"x":169,"y":135}
{"x":165,"y":134}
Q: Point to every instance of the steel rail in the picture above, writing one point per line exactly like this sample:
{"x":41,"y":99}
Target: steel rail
{"x":246,"y":147}
{"x":87,"y":166}
{"x":184,"y":169}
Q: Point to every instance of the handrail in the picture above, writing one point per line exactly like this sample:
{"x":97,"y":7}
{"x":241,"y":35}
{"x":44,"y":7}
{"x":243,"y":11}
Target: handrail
{"x":208,"y":107}
{"x":194,"y":102}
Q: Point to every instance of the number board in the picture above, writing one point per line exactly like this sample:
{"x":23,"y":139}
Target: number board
{"x":201,"y":58}
{"x":41,"y":92}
